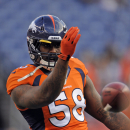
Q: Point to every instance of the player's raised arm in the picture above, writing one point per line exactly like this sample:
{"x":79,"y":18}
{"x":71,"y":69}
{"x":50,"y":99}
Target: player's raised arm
{"x":26,"y":96}
{"x":114,"y":121}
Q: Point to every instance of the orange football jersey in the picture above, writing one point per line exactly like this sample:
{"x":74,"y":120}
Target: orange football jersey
{"x":67,"y":111}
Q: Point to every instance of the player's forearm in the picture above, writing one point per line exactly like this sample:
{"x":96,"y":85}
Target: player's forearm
{"x":53,"y":84}
{"x":117,"y":121}
{"x":26,"y":96}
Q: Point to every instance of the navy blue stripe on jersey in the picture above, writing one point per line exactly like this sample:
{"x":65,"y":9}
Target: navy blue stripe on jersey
{"x":81,"y":73}
{"x":68,"y":71}
{"x":36,"y":81}
{"x":35,"y":117}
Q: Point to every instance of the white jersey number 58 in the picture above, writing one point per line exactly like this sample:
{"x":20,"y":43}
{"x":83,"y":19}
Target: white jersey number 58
{"x":64,"y":108}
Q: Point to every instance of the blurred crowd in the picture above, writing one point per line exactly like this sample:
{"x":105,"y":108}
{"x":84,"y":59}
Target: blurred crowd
{"x":104,"y":46}
{"x":109,"y":66}
{"x":111,"y":5}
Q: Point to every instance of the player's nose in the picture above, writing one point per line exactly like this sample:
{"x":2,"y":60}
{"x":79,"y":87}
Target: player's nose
{"x":52,"y":49}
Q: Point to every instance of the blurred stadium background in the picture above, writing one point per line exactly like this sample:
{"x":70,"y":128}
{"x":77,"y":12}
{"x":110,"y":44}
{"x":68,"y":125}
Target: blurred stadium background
{"x":104,"y":46}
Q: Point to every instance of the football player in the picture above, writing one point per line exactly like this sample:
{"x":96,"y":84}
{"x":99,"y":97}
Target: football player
{"x":54,"y":92}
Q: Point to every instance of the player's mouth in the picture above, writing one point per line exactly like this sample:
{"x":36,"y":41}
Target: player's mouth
{"x":51,"y":59}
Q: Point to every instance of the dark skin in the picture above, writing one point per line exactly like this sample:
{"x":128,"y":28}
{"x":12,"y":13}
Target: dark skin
{"x":26,"y":96}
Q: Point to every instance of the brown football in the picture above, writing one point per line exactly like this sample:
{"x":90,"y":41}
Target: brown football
{"x":115,"y":97}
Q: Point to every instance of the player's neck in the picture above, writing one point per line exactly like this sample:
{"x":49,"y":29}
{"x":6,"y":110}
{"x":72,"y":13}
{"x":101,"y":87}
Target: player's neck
{"x":48,"y":68}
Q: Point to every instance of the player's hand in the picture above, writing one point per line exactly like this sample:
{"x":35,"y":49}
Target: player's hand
{"x":68,"y":43}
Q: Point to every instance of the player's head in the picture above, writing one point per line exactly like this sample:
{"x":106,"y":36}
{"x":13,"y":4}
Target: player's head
{"x":46,"y":31}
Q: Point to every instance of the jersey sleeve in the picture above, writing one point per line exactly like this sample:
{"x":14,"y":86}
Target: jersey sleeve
{"x":12,"y":81}
{"x":76,"y":63}
{"x":85,"y":72}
